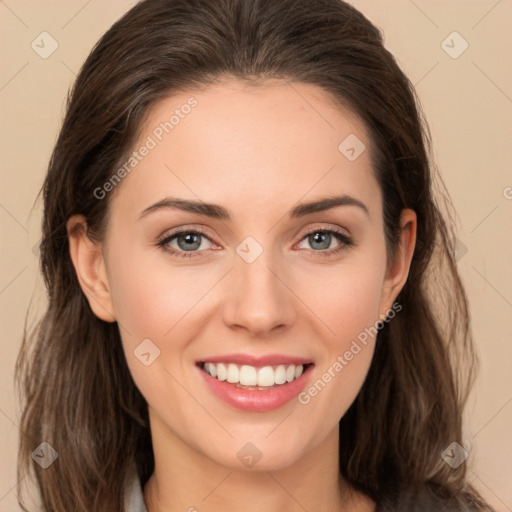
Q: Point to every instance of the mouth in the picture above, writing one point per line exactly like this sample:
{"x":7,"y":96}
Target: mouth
{"x":267,"y":384}
{"x":254,"y":378}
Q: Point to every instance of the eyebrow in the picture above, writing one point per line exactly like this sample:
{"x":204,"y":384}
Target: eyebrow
{"x":216,"y":211}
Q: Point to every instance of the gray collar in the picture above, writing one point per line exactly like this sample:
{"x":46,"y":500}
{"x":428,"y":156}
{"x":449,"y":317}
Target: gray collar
{"x":134,"y":499}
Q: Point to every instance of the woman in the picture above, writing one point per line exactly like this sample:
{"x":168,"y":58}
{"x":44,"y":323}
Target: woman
{"x":240,"y":246}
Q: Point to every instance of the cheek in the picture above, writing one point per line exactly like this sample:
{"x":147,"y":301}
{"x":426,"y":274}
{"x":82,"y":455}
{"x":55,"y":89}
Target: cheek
{"x":157,"y":301}
{"x":347,"y":302}
{"x":153,"y":305}
{"x":347,"y":299}
{"x":150,"y":299}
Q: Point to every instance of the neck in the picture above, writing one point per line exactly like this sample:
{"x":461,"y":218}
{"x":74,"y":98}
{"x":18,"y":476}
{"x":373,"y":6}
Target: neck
{"x":185,"y":480}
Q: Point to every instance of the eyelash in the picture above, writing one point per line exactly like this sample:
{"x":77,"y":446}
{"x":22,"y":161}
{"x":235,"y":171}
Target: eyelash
{"x":345,"y":242}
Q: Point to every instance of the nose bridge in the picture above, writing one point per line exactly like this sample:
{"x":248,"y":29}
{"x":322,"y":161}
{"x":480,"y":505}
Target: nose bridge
{"x":259,"y":300}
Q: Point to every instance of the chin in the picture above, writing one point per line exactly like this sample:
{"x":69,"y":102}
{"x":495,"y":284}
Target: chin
{"x":257,"y":455}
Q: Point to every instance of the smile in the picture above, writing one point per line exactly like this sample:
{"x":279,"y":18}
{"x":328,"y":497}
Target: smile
{"x":252,"y":377}
{"x":267,"y":384}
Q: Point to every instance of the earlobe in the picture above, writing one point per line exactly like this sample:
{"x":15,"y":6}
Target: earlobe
{"x":398,"y":269}
{"x":88,"y":260}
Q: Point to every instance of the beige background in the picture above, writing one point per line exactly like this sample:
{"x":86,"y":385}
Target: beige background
{"x":467,"y":100}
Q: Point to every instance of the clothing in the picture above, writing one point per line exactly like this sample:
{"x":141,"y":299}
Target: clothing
{"x":414,"y":501}
{"x":134,"y":498}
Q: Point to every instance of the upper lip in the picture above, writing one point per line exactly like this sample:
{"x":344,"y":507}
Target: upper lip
{"x":258,"y":361}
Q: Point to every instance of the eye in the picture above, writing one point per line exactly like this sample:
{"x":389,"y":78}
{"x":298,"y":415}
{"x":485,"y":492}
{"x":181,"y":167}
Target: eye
{"x":185,"y":243}
{"x":188,"y":243}
{"x":321,"y":239}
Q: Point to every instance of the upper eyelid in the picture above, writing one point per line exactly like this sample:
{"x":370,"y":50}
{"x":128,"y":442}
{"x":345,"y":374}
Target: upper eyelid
{"x":320,"y":227}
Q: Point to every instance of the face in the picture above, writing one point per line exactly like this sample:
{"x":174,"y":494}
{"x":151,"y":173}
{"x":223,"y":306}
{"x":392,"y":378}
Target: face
{"x":259,"y":286}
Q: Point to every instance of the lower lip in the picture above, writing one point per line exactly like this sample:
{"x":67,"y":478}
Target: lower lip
{"x":255,"y":400}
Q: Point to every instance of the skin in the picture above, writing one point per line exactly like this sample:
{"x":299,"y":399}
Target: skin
{"x":258,"y":152}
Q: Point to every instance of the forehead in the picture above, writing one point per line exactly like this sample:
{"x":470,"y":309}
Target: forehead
{"x":241,"y":146}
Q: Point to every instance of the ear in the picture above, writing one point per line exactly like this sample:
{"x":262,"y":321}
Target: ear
{"x":87,"y":258}
{"x":398,"y":269}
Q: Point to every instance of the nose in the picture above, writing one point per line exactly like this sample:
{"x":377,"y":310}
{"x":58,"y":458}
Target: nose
{"x":259,"y":300}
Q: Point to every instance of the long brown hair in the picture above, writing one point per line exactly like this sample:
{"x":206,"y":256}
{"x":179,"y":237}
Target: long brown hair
{"x":76,"y":389}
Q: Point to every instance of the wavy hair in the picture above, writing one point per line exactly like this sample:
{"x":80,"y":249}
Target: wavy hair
{"x":74,"y":384}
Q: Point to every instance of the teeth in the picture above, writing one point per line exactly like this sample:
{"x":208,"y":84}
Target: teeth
{"x":265,"y":376}
{"x":233,"y":374}
{"x":280,"y":374}
{"x":251,"y":376}
{"x":248,"y":375}
{"x":221,"y":371}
